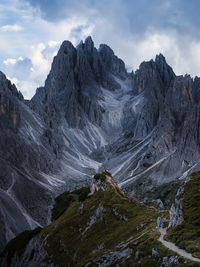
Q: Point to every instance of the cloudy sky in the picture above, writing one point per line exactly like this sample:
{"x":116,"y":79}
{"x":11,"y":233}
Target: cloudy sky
{"x":32,"y":30}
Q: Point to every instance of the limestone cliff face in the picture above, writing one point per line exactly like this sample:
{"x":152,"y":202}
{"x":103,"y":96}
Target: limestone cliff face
{"x":24,"y":198}
{"x":73,"y":86}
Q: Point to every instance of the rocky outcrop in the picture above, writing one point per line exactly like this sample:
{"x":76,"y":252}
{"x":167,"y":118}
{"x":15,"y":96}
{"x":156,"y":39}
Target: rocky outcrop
{"x":169,"y":261}
{"x":96,"y":186}
{"x":176,"y":211}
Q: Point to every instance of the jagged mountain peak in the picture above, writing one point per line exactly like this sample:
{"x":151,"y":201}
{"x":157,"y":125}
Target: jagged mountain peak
{"x":2,"y":75}
{"x":155,"y":71}
{"x":66,"y":47}
{"x":7,"y":87}
{"x":112,"y":62}
{"x":89,"y":44}
{"x":105,"y":49}
{"x":160,"y":57}
{"x":76,"y":76}
{"x":89,"y":39}
{"x":158,"y":64}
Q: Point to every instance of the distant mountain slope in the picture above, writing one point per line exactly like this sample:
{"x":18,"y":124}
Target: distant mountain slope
{"x":24,"y":155}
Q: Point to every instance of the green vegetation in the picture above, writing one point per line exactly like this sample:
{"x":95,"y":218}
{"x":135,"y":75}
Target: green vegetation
{"x":82,"y":193}
{"x":18,"y":244}
{"x":187,"y":235}
{"x":100,"y":176}
{"x":166,"y":192}
{"x":63,"y":201}
{"x":118,"y":222}
{"x":88,"y":228}
{"x":107,"y":219}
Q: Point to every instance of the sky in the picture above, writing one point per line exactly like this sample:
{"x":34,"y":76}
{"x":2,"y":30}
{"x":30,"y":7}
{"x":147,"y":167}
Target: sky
{"x":31,"y":32}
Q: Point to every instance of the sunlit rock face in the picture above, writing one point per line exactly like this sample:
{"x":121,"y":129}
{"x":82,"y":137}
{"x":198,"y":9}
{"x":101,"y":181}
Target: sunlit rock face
{"x":93,"y":115}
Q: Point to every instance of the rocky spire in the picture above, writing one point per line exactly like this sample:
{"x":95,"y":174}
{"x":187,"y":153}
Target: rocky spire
{"x":66,"y":47}
{"x":160,"y":58}
{"x":166,"y":73}
{"x":113,"y":64}
{"x":7,"y":87}
{"x":89,"y":44}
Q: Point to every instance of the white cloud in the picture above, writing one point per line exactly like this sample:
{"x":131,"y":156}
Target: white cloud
{"x":39,"y":42}
{"x":52,"y":43}
{"x":34,"y":38}
{"x":183,"y":59}
{"x":29,"y":73}
{"x":181,"y":51}
{"x":24,"y":86}
{"x":13,"y":80}
{"x":147,"y":46}
{"x":41,"y":64}
{"x":12,"y":61}
{"x":11,"y":28}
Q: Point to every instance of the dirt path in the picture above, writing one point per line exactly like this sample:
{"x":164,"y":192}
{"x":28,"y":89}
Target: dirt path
{"x":174,"y":248}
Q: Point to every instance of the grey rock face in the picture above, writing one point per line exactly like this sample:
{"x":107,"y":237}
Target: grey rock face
{"x":93,"y":115}
{"x":171,"y":145}
{"x":111,"y":62}
{"x":33,"y":255}
{"x":169,"y":261}
{"x":73,"y":85}
{"x":112,"y":257}
{"x":176,"y":211}
{"x":25,"y":193}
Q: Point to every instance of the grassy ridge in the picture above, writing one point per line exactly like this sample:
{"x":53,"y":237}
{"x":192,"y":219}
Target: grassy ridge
{"x":106,"y":219}
{"x":63,"y":201}
{"x":118,"y":223}
{"x":88,"y":228}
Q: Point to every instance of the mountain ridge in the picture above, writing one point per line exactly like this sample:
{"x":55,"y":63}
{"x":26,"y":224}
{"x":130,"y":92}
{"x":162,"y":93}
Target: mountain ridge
{"x":93,"y":115}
